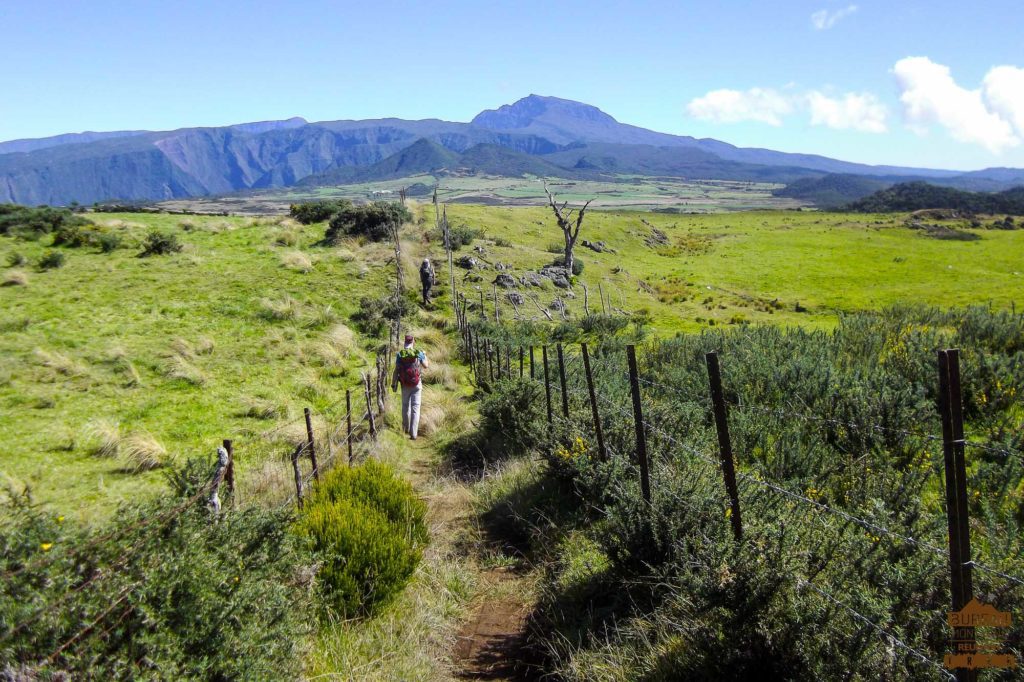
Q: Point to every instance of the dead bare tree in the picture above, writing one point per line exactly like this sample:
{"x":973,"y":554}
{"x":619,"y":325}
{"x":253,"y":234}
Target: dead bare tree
{"x":570,"y":229}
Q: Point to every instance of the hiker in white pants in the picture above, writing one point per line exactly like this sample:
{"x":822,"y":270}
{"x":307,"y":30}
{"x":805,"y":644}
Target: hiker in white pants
{"x":409,"y":364}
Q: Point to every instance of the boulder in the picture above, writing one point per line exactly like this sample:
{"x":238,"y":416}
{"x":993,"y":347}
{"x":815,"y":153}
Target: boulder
{"x":505,"y":280}
{"x":467,"y":262}
{"x":516,"y":298}
{"x":531,"y":279}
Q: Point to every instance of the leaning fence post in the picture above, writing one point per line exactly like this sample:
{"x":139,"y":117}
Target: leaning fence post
{"x":309,"y":443}
{"x":348,"y":419}
{"x":297,"y":474}
{"x":638,"y":417}
{"x":547,"y":383}
{"x":598,"y":431}
{"x":724,"y":442}
{"x":223,"y":462}
{"x":520,"y":362}
{"x":561,"y":381}
{"x":229,"y":475}
{"x":369,"y":405}
{"x":951,"y":410}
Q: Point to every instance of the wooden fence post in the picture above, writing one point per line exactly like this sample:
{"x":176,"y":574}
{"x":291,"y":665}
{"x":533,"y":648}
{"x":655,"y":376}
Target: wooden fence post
{"x":298,"y":475}
{"x":494,"y":287}
{"x":724,"y":443}
{"x":310,"y":444}
{"x":638,"y":417}
{"x":219,"y":474}
{"x":520,"y":362}
{"x":598,"y":431}
{"x":369,"y":405}
{"x":348,"y":419}
{"x":961,"y":585}
{"x":561,"y":381}
{"x":497,"y":358}
{"x":490,"y":360}
{"x":229,"y":474}
{"x":483,"y":312}
{"x":532,"y":364}
{"x":508,"y":362}
{"x":547,"y":384}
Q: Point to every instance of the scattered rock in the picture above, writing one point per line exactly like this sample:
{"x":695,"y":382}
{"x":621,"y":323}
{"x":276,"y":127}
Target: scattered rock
{"x":531,"y":279}
{"x":516,"y":298}
{"x":479,"y":249}
{"x":599,"y":247}
{"x":558,"y":305}
{"x":505,"y":280}
{"x":472,"y":277}
{"x":467,"y":262}
{"x":656,"y":238}
{"x":502,"y":266}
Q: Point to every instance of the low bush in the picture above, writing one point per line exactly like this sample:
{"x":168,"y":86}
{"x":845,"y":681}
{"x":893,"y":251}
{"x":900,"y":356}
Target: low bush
{"x":32,"y":223}
{"x":513,"y":415}
{"x":16,"y":260}
{"x":367,"y":529}
{"x":459,"y":235}
{"x":174,"y":594}
{"x":373,"y":221}
{"x":51,"y":260}
{"x":375,"y":314}
{"x":108,"y":242}
{"x":311,"y":212}
{"x":160,"y":244}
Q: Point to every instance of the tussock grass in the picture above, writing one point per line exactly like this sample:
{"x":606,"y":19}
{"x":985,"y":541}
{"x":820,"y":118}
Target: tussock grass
{"x":15,"y":278}
{"x":263,"y":408}
{"x":187,"y":224}
{"x":278,"y":310}
{"x":181,"y":369}
{"x":205,"y":345}
{"x":321,"y":316}
{"x":443,"y":415}
{"x":271,"y":483}
{"x":298,"y":261}
{"x":143,"y":452}
{"x":122,"y":365}
{"x":58,"y":362}
{"x":287,"y":238}
{"x":104,"y":435}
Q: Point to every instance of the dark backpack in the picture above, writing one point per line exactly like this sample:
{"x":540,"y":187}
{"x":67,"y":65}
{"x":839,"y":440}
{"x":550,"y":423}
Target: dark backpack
{"x":409,"y":367}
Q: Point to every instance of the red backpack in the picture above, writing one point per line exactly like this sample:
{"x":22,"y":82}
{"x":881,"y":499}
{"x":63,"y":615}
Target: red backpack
{"x":409,"y":367}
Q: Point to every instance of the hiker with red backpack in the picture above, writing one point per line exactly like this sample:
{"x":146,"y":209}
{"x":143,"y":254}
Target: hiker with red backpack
{"x":409,"y":364}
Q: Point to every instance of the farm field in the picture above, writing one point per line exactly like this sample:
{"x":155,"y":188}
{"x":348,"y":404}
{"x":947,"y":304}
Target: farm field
{"x":251,"y":321}
{"x":620,"y":192}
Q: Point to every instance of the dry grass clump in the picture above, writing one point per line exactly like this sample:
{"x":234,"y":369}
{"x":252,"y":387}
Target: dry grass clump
{"x":180,"y":368}
{"x":182,"y":348}
{"x":59,"y":363}
{"x":262,"y":408}
{"x":344,"y":255}
{"x":187,"y":224}
{"x":341,"y":337}
{"x":143,"y":452}
{"x":105,"y":436}
{"x":287,"y":238}
{"x":434,"y":343}
{"x":272,"y":483}
{"x":441,"y":375}
{"x":285,"y":308}
{"x":15,"y":278}
{"x":122,"y":365}
{"x":298,"y":261}
{"x":205,"y":345}
{"x":442,"y":413}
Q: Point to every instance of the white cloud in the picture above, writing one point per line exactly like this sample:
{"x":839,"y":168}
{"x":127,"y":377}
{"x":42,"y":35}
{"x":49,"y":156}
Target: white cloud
{"x":852,"y":111}
{"x":930,"y":96}
{"x":824,"y":19}
{"x":732,"y":106}
{"x":1003,"y":93}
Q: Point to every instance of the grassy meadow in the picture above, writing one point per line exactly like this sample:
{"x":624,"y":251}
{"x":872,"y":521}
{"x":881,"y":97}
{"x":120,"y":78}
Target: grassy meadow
{"x":113,"y":363}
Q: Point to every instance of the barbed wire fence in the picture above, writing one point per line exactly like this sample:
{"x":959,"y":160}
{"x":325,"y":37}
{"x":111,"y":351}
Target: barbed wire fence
{"x":573,"y":406}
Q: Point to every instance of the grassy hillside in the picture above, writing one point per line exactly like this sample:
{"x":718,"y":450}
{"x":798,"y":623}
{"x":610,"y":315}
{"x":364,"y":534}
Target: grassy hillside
{"x":757,"y":267}
{"x":230,"y":337}
{"x":250,"y":323}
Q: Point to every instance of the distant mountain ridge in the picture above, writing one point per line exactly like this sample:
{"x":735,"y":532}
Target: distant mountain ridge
{"x":535,"y":135}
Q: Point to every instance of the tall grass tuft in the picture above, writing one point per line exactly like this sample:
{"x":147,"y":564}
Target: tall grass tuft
{"x":143,"y":452}
{"x":298,"y":261}
{"x":15,"y":278}
{"x":105,"y":436}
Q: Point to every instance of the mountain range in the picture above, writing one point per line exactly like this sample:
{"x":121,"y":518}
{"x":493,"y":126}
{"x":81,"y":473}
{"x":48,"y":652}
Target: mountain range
{"x":541,"y":136}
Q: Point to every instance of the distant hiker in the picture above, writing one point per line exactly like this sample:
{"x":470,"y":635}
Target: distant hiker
{"x":408,"y":366}
{"x":427,"y":279}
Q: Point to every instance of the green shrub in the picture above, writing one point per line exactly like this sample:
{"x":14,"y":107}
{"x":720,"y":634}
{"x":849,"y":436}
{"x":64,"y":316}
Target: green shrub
{"x":159,"y":244}
{"x":75,"y":235}
{"x":373,"y":221}
{"x":179,"y":596}
{"x":108,"y":242}
{"x":16,"y":260}
{"x":375,"y":314}
{"x":462,"y":235}
{"x":31,"y":223}
{"x":367,"y":529}
{"x":577,"y":264}
{"x":311,"y":212}
{"x":512,"y":415}
{"x":51,"y":260}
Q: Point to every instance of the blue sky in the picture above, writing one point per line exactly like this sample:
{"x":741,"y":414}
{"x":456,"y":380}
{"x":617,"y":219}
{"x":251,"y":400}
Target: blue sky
{"x":931,"y":83}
